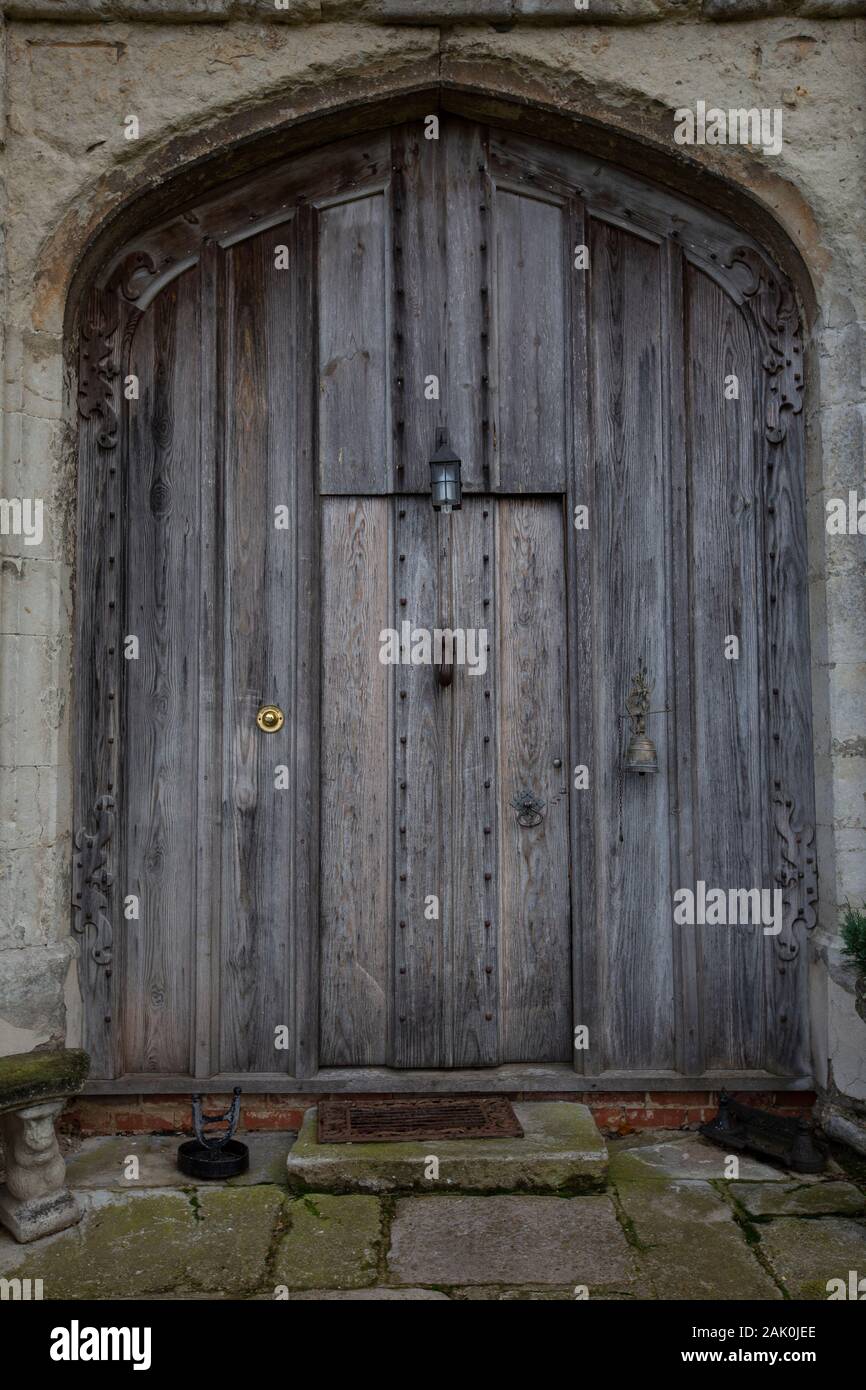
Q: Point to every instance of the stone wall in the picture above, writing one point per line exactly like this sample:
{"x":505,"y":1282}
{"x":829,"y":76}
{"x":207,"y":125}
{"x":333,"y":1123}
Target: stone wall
{"x":199,"y":74}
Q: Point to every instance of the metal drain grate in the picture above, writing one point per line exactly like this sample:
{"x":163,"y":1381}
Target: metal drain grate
{"x":388,"y":1121}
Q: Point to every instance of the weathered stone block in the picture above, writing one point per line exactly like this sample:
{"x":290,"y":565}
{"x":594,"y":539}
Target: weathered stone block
{"x":333,"y":1242}
{"x":561,"y":1151}
{"x":509,"y":1240}
{"x":689,"y":1159}
{"x":152,"y":1242}
{"x":41,"y":1076}
{"x":793,"y":1199}
{"x":692,"y":1246}
{"x":806,"y":1255}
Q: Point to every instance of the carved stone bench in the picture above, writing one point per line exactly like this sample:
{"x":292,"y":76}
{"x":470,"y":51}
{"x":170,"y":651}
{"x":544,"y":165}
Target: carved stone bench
{"x":34,"y":1086}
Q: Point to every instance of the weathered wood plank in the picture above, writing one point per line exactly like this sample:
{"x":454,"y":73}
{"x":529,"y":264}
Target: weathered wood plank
{"x":582,"y":586}
{"x":210,"y":599}
{"x":307,"y":676}
{"x":259,"y":653}
{"x":356,"y":782}
{"x":419,"y":301}
{"x":555,"y":1076}
{"x":531,"y":308}
{"x":468,"y":257}
{"x":535,"y":919}
{"x":471,"y":832}
{"x":726,"y":600}
{"x":681,"y":767}
{"x":100,"y":685}
{"x":162,"y":686}
{"x":634,"y":907}
{"x":422,"y":804}
{"x":353,"y":356}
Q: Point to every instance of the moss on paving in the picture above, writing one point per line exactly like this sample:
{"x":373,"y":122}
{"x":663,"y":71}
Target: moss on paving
{"x":334,"y":1242}
{"x":151,"y":1242}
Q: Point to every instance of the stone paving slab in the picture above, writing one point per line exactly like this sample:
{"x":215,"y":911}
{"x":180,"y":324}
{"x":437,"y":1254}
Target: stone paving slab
{"x":692,"y":1246}
{"x":333,"y":1242}
{"x":562,"y":1150}
{"x":508,"y":1241}
{"x":806,"y":1254}
{"x":372,"y":1295}
{"x":102,"y":1162}
{"x":798,"y":1199}
{"x":139,"y":1243}
{"x":695,"y":1159}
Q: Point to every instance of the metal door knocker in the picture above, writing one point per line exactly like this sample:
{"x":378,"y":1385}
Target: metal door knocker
{"x":529,"y":808}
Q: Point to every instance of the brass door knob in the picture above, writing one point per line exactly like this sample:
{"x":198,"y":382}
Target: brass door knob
{"x":270,"y":719}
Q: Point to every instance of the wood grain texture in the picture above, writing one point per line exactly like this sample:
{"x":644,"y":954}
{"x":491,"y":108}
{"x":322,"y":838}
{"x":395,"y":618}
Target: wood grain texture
{"x":531,"y":308}
{"x":583,"y":583}
{"x":468,"y":309}
{"x":472,"y":839}
{"x":632,"y":850}
{"x":210,"y":601}
{"x":162,"y":686}
{"x":535,"y":919}
{"x":422,"y":804}
{"x":354,"y":432}
{"x":728,"y":809}
{"x":356,"y":783}
{"x":259,"y":653}
{"x":308,"y":655}
{"x":682,"y":767}
{"x":419,"y":302}
{"x":99,"y":687}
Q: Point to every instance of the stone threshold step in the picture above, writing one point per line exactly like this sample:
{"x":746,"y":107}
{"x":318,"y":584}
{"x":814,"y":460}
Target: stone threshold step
{"x":561,"y":1151}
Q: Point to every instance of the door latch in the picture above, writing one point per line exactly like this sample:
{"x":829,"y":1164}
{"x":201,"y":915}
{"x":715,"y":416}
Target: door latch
{"x":529,"y":808}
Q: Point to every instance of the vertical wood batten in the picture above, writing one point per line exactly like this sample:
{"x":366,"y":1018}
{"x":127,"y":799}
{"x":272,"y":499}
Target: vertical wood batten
{"x":531,"y":302}
{"x":98,"y":724}
{"x":464,"y":214}
{"x":634,"y":871}
{"x":162,"y":687}
{"x":421,"y":801}
{"x":473,"y":920}
{"x":730,"y":802}
{"x":418,"y":295}
{"x":579,"y":559}
{"x":534,"y":893}
{"x":307,"y":683}
{"x":681,"y":768}
{"x":260,"y":624}
{"x":353,"y":356}
{"x":209,"y":630}
{"x":356,"y":783}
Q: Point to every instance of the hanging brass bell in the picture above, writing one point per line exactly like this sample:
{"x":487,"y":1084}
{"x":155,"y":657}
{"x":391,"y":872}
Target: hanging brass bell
{"x":641,"y":755}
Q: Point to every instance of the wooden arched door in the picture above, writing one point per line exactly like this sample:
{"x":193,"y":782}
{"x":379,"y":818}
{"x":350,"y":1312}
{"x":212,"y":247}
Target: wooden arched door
{"x":423,"y":877}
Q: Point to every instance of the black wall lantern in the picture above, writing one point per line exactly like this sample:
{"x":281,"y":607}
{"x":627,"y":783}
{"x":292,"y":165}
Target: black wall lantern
{"x":445,"y":476}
